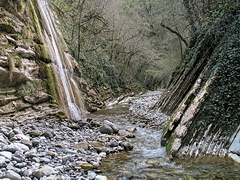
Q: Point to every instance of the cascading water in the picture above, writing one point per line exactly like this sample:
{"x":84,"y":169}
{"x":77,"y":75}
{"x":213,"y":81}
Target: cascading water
{"x":52,"y":43}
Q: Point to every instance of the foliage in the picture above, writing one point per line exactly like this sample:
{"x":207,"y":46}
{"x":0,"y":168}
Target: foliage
{"x":121,"y":39}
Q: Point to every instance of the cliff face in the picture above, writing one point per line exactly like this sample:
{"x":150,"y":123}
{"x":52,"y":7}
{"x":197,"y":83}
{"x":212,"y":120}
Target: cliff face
{"x":203,"y":99}
{"x":22,"y":60}
{"x":29,"y":73}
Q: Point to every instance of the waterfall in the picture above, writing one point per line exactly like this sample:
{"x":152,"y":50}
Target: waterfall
{"x":58,"y":54}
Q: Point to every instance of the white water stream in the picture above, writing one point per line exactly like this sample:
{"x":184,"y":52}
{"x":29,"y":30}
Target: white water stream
{"x":52,"y":34}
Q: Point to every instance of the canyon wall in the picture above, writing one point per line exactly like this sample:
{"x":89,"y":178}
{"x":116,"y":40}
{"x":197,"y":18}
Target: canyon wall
{"x":203,"y":97}
{"x":29,"y":73}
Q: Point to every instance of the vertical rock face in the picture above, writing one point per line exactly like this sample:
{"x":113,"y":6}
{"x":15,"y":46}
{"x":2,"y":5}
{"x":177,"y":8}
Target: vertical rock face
{"x":22,"y":72}
{"x":203,"y":98}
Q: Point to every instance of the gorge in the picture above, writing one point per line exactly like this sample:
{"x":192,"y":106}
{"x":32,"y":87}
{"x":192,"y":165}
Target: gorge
{"x":104,"y":90}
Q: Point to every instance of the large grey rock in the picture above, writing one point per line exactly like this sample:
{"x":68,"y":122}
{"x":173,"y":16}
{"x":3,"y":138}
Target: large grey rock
{"x":6,"y":154}
{"x":12,"y":148}
{"x":12,"y":175}
{"x":2,"y":160}
{"x":113,"y":126}
{"x":106,"y":129}
{"x":21,"y":146}
{"x":44,"y":171}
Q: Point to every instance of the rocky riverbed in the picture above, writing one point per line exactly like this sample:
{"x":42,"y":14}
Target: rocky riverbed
{"x":119,"y":142}
{"x":36,"y":144}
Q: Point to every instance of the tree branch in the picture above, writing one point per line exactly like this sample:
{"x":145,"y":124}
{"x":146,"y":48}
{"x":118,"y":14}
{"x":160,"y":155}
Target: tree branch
{"x":175,"y":32}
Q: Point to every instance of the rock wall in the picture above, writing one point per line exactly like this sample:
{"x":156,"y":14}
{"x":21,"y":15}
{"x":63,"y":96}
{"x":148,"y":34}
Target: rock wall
{"x":203,"y":98}
{"x":22,"y":72}
{"x":27,"y":75}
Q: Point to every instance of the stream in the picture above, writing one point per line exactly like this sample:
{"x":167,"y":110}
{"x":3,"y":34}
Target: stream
{"x":148,"y":160}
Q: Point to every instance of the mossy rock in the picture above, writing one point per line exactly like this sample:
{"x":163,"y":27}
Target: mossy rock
{"x":51,"y":86}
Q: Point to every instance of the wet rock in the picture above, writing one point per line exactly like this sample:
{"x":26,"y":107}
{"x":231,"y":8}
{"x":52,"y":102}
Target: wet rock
{"x":100,"y":177}
{"x":131,"y":129}
{"x":85,"y":165}
{"x":106,"y":129}
{"x":44,"y":171}
{"x":127,"y":146}
{"x":81,"y":145}
{"x":11,"y":175}
{"x":113,"y":126}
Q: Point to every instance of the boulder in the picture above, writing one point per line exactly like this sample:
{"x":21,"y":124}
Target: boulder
{"x":11,"y":175}
{"x":106,"y":129}
{"x":37,"y":98}
{"x":113,"y":126}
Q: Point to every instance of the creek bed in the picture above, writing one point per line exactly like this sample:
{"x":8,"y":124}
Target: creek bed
{"x":148,"y":160}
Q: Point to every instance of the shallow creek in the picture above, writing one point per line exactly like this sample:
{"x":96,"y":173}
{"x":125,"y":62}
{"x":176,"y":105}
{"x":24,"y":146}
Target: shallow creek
{"x":148,"y":160}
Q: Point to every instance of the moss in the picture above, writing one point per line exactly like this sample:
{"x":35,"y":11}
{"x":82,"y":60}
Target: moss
{"x":35,"y":21}
{"x":170,"y":143}
{"x":27,"y":89}
{"x":43,"y":55}
{"x":51,"y":87}
{"x":11,"y":63}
